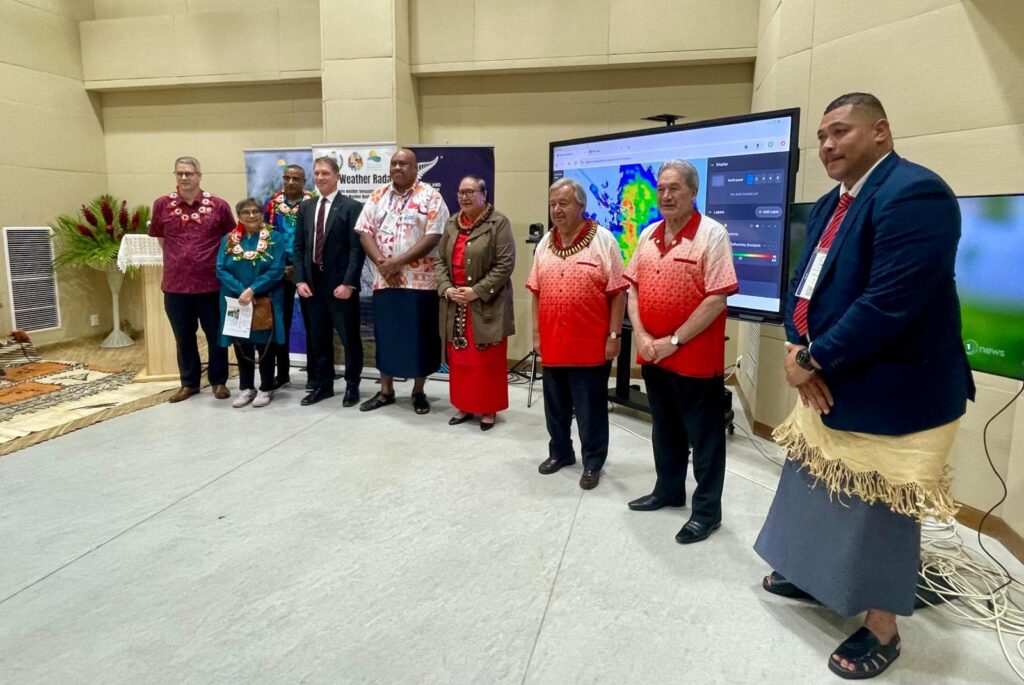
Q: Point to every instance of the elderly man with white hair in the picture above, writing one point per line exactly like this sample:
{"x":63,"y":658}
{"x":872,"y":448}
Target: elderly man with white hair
{"x":578,"y":304}
{"x":680,"y":276}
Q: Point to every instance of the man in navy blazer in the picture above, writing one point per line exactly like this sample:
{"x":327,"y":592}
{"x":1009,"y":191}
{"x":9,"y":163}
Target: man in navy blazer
{"x":874,"y":350}
{"x":328,"y":266}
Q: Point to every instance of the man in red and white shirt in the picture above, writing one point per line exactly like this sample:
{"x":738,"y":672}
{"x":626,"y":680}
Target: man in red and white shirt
{"x":680,"y":276}
{"x":190,"y":224}
{"x":578,"y":303}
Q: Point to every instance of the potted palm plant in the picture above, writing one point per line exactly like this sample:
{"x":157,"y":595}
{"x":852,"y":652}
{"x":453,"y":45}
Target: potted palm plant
{"x":92,"y":238}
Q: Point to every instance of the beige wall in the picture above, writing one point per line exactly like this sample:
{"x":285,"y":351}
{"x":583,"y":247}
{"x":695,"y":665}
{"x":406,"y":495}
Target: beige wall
{"x":159,"y":43}
{"x":51,"y":151}
{"x":521,"y":114}
{"x":146,"y":130}
{"x":951,"y":75}
{"x":468,"y":36}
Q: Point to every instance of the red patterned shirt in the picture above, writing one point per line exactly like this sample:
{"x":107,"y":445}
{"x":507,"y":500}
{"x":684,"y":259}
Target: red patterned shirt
{"x":673,"y":279}
{"x":192,"y":235}
{"x":574,"y":294}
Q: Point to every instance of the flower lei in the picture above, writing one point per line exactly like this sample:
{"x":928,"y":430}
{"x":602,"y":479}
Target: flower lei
{"x":234,"y":246}
{"x":279,"y":203}
{"x":467,"y":225}
{"x":205,"y":207}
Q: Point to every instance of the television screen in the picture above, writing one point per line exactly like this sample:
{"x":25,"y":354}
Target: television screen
{"x":989,"y":282}
{"x":798,"y":214}
{"x":746,"y":165}
{"x":988,"y":278}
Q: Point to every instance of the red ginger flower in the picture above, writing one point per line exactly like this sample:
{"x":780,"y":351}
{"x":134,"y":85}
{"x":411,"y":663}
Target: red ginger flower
{"x":90,"y":217}
{"x":122,"y":217}
{"x":84,"y":230}
{"x":107,"y":211}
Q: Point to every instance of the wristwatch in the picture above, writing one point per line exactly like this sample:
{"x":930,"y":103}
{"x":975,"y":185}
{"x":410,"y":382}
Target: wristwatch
{"x":675,"y":340}
{"x":803,"y":360}
{"x":613,"y":335}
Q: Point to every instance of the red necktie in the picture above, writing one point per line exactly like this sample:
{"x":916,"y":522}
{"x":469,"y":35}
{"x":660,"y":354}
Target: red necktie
{"x":318,"y":236}
{"x":800,"y":311}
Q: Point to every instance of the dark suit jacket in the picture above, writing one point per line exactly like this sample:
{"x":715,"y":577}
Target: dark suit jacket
{"x":343,"y":254}
{"x":885,"y":317}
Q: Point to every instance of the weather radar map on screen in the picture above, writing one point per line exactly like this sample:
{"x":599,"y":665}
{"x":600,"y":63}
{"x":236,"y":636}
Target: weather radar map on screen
{"x":745,"y":167}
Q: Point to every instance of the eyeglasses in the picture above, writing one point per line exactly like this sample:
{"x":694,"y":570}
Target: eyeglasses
{"x":185,"y":174}
{"x":250,"y":212}
{"x":467,"y":193}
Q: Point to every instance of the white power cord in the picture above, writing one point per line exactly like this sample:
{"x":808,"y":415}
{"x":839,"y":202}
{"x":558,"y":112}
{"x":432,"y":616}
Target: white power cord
{"x":986,"y":597}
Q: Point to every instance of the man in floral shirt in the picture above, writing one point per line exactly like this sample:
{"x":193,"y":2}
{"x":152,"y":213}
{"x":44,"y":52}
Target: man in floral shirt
{"x":190,"y":224}
{"x":280,"y":212}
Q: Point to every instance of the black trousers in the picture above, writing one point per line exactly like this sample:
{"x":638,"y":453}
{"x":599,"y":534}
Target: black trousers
{"x":688,"y":411}
{"x":246,"y":353}
{"x":583,"y":389}
{"x":330,"y":314}
{"x":187,"y":311}
{"x":282,"y":362}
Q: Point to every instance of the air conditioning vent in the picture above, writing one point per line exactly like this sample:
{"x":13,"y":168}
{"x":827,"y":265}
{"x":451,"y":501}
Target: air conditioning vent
{"x":30,"y":278}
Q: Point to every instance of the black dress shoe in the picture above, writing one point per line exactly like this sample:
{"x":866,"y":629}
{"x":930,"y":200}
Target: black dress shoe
{"x":456,"y":420}
{"x":652,"y":502}
{"x":351,"y":397}
{"x":777,"y":584}
{"x":486,"y":425}
{"x":282,"y":383}
{"x":316,"y":395}
{"x":590,"y":479}
{"x":695,"y":531}
{"x":552,"y":465}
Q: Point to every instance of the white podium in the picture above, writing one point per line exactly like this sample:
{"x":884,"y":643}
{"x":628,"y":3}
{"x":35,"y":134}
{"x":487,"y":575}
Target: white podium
{"x":161,"y":352}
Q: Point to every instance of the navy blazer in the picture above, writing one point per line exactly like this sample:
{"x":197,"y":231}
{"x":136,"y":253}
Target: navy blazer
{"x":884,"y":320}
{"x":343,"y":253}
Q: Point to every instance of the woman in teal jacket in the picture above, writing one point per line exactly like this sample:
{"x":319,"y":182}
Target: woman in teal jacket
{"x":251,"y":264}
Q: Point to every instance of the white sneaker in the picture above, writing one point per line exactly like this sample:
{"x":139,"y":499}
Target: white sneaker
{"x":244,"y":398}
{"x":263,"y":398}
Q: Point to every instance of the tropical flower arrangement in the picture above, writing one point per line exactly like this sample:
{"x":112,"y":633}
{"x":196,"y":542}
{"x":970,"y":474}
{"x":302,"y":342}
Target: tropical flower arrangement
{"x":93,"y":237}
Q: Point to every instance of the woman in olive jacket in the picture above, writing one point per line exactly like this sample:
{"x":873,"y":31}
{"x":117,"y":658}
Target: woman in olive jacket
{"x":475,"y":258}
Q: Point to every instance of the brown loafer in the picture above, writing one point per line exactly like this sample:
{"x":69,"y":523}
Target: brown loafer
{"x":552,"y":465}
{"x":183,"y":393}
{"x":221,"y":392}
{"x":590,"y":479}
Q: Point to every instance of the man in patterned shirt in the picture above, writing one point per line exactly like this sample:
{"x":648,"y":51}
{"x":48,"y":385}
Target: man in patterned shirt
{"x":578,"y":303}
{"x":190,"y":223}
{"x":280,"y":212}
{"x":399,"y":228}
{"x":680,"y":276}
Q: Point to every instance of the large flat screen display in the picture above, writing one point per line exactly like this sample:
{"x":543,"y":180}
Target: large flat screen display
{"x":990,"y":282}
{"x":989,"y":278}
{"x":746,"y":165}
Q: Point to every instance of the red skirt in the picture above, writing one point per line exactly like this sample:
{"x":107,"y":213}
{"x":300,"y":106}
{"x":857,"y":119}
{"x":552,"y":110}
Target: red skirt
{"x":478,"y":379}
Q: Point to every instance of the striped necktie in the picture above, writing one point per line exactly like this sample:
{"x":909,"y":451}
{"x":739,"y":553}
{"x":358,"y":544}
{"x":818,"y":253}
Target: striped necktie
{"x":827,"y":238}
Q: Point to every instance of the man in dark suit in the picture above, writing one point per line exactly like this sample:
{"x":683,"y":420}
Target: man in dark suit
{"x":875,"y":352}
{"x":328,"y":262}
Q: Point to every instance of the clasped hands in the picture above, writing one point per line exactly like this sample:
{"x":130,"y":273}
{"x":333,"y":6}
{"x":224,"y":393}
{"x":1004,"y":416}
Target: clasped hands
{"x":342,"y":292}
{"x":390,"y":270}
{"x":463,"y":295}
{"x":654,"y":349}
{"x":813,"y":390}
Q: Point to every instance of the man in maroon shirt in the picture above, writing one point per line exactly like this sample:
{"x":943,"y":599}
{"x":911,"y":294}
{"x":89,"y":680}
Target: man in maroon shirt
{"x":190,"y":224}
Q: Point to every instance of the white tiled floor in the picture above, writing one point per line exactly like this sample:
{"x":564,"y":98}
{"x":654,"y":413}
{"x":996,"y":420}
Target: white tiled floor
{"x":198,"y":543}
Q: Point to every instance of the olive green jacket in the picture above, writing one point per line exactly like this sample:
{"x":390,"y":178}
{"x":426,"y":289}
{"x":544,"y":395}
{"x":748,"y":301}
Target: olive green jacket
{"x":490,"y":258}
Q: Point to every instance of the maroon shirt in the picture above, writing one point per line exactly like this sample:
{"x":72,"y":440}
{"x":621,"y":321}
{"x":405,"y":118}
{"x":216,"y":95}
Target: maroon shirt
{"x":192,"y":235}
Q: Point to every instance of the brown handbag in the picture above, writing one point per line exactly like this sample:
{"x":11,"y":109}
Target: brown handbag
{"x":262,"y":314}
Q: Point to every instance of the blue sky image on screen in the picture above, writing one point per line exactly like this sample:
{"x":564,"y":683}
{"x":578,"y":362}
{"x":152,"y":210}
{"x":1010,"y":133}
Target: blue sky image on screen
{"x":990,"y":282}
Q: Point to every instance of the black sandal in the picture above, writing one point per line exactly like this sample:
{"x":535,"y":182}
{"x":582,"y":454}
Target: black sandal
{"x":377,"y":401}
{"x":419,"y":403}
{"x":868,"y":656}
{"x":778,"y":585}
